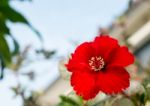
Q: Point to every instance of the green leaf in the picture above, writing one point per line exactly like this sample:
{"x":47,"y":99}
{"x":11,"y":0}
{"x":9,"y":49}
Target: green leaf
{"x":13,"y":15}
{"x":3,"y":2}
{"x":142,"y":98}
{"x":4,"y":50}
{"x":16,"y":47}
{"x":146,"y":83}
{"x":16,"y":17}
{"x":3,"y":28}
{"x":2,"y":66}
{"x":66,"y":101}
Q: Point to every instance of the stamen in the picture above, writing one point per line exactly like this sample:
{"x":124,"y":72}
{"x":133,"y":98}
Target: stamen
{"x":96,"y":63}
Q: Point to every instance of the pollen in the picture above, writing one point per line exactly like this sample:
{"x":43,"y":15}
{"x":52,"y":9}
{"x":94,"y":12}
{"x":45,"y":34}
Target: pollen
{"x":96,"y":63}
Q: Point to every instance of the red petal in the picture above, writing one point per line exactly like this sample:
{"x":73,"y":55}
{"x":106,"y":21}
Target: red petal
{"x":80,"y":59}
{"x":84,"y":84}
{"x":83,"y":52}
{"x":113,"y":80}
{"x":73,"y":66}
{"x":121,"y":57}
{"x":103,"y":45}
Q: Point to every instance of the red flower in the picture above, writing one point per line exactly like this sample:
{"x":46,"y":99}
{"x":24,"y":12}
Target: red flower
{"x":99,"y":66}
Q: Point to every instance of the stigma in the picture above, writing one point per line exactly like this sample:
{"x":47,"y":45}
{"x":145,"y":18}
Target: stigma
{"x":96,"y":63}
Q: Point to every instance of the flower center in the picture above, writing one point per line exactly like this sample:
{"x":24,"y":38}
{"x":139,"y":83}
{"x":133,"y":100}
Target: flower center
{"x":96,"y":63}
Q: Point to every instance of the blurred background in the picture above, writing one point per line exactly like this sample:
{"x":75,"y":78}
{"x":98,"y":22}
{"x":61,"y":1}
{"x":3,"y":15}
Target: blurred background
{"x":37,"y":37}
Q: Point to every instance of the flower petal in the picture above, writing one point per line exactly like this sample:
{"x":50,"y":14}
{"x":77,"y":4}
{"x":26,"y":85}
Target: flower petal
{"x":103,"y":45}
{"x":121,"y":57}
{"x":113,"y":80}
{"x":84,"y":84}
{"x":81,"y":56}
{"x":74,"y":66}
{"x":83,"y":52}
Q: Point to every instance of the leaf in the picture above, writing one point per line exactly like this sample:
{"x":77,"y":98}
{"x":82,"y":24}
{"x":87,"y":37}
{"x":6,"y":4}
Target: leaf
{"x":16,"y":17}
{"x":2,"y":66}
{"x":4,"y":50}
{"x":146,"y":81}
{"x":16,"y":47}
{"x":3,"y":28}
{"x":3,"y":2}
{"x":13,"y":15}
{"x":66,"y":101}
{"x":142,"y":98}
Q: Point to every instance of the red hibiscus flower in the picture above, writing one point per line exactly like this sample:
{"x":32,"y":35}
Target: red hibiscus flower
{"x":99,"y":66}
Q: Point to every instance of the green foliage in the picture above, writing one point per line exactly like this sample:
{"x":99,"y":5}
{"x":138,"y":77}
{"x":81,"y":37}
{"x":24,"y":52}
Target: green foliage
{"x":67,"y":101}
{"x":146,"y":84}
{"x":123,"y":102}
{"x":2,"y":66}
{"x":4,"y":50}
{"x":16,"y":47}
{"x":7,"y":13}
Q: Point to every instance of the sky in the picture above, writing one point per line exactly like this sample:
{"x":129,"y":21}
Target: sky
{"x":60,"y":22}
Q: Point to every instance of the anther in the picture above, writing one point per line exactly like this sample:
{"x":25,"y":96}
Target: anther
{"x":96,"y":63}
